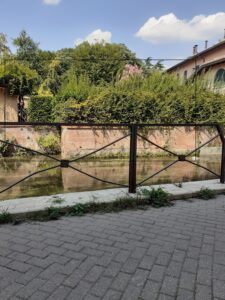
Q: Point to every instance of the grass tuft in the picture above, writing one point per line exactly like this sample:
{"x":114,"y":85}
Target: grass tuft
{"x":5,"y":217}
{"x":206,"y":194}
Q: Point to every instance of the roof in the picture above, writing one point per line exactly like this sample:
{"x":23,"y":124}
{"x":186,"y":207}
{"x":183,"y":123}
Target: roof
{"x":197,"y":55}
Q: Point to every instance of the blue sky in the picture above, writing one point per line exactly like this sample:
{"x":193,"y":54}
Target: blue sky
{"x":171,"y":34}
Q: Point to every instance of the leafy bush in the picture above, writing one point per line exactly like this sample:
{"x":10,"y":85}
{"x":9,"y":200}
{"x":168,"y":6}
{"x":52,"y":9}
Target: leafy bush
{"x":158,"y":98}
{"x":40,"y":109}
{"x":50,"y":143}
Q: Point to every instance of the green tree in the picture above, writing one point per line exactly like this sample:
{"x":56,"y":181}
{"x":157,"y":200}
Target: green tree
{"x":102,"y":62}
{"x":27,"y":50}
{"x":4,"y":49}
{"x":19,"y":80}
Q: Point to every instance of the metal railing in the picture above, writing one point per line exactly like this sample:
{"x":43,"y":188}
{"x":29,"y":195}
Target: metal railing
{"x":134,"y":135}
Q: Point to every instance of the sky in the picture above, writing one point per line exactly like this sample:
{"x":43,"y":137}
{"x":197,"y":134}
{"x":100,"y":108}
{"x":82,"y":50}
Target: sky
{"x":158,"y":29}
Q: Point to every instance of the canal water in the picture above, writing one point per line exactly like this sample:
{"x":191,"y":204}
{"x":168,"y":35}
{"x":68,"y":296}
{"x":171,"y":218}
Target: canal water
{"x":116,"y":170}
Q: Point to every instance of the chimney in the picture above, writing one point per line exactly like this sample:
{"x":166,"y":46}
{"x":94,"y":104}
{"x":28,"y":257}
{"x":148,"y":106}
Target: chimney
{"x":195,"y":49}
{"x":206,"y":45}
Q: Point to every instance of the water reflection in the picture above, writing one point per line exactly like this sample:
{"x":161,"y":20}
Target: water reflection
{"x":68,"y":180}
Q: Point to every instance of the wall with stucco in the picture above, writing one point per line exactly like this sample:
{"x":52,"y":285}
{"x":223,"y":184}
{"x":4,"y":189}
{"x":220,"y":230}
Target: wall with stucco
{"x":79,"y":141}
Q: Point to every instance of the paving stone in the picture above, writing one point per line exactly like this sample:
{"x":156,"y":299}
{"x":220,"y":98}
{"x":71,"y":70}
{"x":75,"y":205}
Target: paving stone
{"x":112,"y":295}
{"x":101,"y":286}
{"x":203,"y":292}
{"x":185,"y":295}
{"x":150,"y":291}
{"x":165,"y":297}
{"x":80,"y":291}
{"x":190,"y":265}
{"x":169,"y":286}
{"x":167,"y":253}
{"x":130,"y":265}
{"x":219,"y":289}
{"x":204,"y":276}
{"x":187,"y":281}
{"x":131,"y":293}
{"x":157,"y":273}
{"x":60,"y":293}
{"x":163,"y":259}
{"x":94,"y":273}
{"x":121,"y":281}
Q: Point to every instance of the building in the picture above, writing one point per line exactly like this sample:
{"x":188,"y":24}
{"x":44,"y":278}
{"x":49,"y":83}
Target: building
{"x":8,"y":106}
{"x":210,"y":62}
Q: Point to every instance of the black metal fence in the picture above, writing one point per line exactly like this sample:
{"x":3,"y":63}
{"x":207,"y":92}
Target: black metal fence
{"x":133,"y":134}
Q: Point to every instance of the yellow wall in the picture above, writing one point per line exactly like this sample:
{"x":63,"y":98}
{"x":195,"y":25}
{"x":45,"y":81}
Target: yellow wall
{"x":10,"y":103}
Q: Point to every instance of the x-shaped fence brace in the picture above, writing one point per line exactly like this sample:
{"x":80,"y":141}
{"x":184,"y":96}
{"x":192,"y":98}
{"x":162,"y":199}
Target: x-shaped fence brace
{"x":133,"y":134}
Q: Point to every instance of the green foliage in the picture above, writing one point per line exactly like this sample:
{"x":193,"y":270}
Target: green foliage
{"x":78,"y":209}
{"x":4,"y":49}
{"x":206,"y":194}
{"x":18,"y":78}
{"x":157,"y":98}
{"x":27,"y":50}
{"x":53,"y":213}
{"x":157,"y":197}
{"x":102,"y":62}
{"x":50,"y":144}
{"x":40,"y":109}
{"x":5,"y":217}
{"x":6,"y":149}
{"x":57,"y":200}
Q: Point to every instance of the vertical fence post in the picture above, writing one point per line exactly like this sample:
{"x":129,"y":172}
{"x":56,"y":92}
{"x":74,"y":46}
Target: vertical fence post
{"x":133,"y":159}
{"x":222,"y":138}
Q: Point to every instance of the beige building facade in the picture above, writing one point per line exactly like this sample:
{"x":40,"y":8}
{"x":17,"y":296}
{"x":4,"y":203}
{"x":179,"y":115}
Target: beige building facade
{"x":8,"y":107}
{"x":210,"y":62}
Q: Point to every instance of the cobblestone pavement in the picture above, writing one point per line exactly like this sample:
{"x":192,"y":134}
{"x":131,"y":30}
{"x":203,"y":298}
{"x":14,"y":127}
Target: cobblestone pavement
{"x":169,"y":253}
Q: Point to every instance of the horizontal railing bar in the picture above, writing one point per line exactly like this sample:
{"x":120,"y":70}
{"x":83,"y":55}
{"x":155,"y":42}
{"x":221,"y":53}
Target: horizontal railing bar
{"x":110,"y":124}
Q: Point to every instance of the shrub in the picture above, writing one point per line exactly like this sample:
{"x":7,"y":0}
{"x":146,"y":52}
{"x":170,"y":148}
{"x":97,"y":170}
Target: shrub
{"x":40,"y":109}
{"x":50,"y":144}
{"x":158,"y":98}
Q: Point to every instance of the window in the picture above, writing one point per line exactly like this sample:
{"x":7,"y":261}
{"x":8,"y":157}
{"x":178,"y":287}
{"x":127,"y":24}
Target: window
{"x":185,"y":75}
{"x":220,"y":76}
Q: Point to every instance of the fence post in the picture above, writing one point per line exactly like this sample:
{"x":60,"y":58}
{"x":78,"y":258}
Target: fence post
{"x":133,"y":159}
{"x":222,"y":138}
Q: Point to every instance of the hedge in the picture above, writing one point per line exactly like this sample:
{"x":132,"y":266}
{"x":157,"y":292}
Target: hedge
{"x":40,"y":109}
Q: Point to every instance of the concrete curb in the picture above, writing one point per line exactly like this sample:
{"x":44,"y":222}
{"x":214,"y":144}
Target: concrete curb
{"x":29,"y":207}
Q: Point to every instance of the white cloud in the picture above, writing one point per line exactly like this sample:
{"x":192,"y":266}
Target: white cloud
{"x":51,"y":2}
{"x":97,"y":36}
{"x":169,"y":28}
